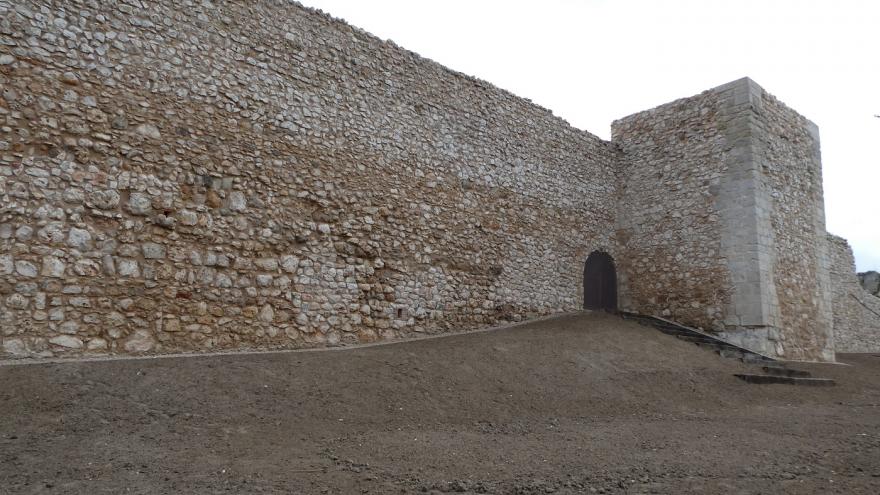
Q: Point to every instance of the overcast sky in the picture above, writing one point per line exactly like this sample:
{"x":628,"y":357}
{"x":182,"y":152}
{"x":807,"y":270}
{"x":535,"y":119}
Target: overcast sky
{"x":594,"y":61}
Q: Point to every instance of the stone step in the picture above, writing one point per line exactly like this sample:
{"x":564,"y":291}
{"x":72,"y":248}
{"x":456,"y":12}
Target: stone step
{"x":717,"y":345}
{"x":731,"y":353}
{"x":752,"y":358}
{"x":785,"y":380}
{"x":674,"y":332}
{"x":780,"y":371}
{"x":724,"y":349}
{"x":698,"y":339}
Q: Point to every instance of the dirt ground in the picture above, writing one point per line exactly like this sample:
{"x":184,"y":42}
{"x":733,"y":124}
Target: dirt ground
{"x":575,"y":404}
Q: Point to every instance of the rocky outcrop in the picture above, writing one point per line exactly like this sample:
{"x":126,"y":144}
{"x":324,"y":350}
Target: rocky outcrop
{"x":870,"y":281}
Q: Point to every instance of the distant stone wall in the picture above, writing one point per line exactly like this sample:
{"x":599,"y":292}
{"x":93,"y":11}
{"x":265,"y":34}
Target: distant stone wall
{"x":186,"y":176}
{"x":856,"y":312}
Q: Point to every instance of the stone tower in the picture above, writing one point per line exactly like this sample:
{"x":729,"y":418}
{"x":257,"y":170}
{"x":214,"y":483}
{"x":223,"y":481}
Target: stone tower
{"x":722,"y":222}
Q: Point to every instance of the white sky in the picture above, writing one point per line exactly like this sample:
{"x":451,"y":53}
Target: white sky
{"x":594,"y":61}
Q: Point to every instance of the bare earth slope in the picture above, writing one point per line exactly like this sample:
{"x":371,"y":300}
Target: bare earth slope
{"x":576,"y":404}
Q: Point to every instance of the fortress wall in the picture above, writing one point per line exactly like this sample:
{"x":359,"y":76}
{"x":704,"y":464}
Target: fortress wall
{"x":856,"y":312}
{"x":670,"y":222}
{"x":176,"y":176}
{"x":786,"y":149}
{"x":722,"y":220}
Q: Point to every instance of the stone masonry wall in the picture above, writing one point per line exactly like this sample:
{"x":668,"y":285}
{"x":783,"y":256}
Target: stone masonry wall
{"x":181,"y":176}
{"x":721,"y":220}
{"x":670,"y":221}
{"x":786,"y":148}
{"x":856,"y":312}
{"x":184,"y":176}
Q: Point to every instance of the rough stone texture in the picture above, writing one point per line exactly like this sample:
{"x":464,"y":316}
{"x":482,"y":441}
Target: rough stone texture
{"x":870,"y":282}
{"x":786,"y":150}
{"x":722,"y":220}
{"x":180,"y":176}
{"x":856,"y":311}
{"x":669,"y":223}
{"x":191,"y":176}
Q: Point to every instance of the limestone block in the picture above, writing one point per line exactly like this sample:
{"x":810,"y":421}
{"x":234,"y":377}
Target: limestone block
{"x":25,"y":269}
{"x":289,"y":263}
{"x":139,"y":204}
{"x":67,"y":341}
{"x":267,"y":314}
{"x":269,"y":264}
{"x":149,"y":130}
{"x":52,"y":267}
{"x":152,"y":250}
{"x":187,"y":217}
{"x":17,"y":301}
{"x":236,"y":201}
{"x":107,"y":199}
{"x":127,"y":267}
{"x":140,"y":341}
{"x":7,"y":264}
{"x":15,"y":347}
{"x":69,"y":327}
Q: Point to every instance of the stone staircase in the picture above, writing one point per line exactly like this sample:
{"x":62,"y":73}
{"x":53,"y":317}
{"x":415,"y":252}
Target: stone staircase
{"x":774,"y":371}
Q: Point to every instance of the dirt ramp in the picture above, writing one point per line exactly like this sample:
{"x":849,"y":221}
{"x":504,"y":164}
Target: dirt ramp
{"x":563,"y":405}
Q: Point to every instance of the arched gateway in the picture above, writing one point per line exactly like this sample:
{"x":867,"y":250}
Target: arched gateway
{"x":600,"y":282}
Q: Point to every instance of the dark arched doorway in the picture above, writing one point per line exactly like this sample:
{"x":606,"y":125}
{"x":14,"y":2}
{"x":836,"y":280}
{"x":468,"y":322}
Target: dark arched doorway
{"x":600,"y":282}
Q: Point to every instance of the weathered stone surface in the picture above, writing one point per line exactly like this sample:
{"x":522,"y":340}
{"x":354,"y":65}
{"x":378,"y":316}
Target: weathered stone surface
{"x":139,"y":204}
{"x":69,"y":327}
{"x":153,"y":250}
{"x":870,"y":282}
{"x":14,"y":347}
{"x":289,"y":263}
{"x":105,"y":199}
{"x":7,"y":264}
{"x":51,"y":233}
{"x":24,"y":233}
{"x":52,"y":267}
{"x":267,"y":314}
{"x":67,"y":341}
{"x":139,"y":341}
{"x":127,"y":267}
{"x":237,"y":201}
{"x":79,"y":239}
{"x":713,"y":193}
{"x":149,"y":131}
{"x":856,"y":310}
{"x":97,"y":344}
{"x":25,"y":269}
{"x":269,"y":264}
{"x":199,"y":181}
{"x":69,"y":78}
{"x":17,"y":301}
{"x":188,"y":218}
